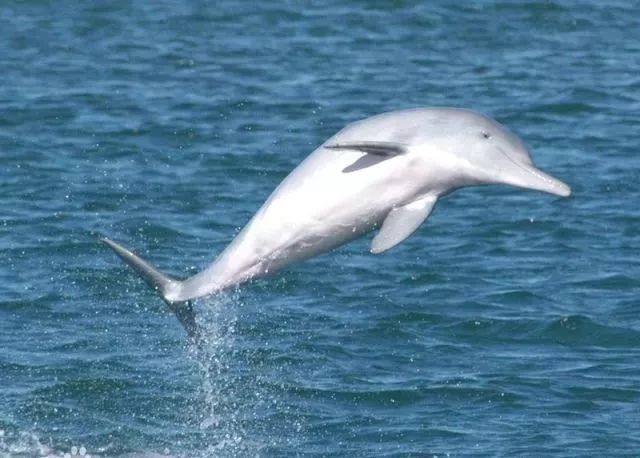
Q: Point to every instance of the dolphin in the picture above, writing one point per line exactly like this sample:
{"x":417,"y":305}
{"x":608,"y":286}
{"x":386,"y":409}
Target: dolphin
{"x":385,"y":172}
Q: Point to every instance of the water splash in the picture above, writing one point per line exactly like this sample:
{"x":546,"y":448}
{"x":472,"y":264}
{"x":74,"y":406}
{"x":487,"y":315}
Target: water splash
{"x":22,"y":445}
{"x":217,"y":357}
{"x":25,"y":444}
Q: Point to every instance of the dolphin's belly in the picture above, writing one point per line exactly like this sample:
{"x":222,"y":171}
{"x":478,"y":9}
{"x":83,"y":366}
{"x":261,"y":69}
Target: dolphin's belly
{"x":318,"y":207}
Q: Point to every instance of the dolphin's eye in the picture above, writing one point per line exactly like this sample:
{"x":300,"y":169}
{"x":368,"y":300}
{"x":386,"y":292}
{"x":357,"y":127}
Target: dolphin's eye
{"x":486,"y":134}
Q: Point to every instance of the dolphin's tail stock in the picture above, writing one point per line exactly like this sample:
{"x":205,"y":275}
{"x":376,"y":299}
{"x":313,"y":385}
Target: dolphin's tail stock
{"x":163,"y":284}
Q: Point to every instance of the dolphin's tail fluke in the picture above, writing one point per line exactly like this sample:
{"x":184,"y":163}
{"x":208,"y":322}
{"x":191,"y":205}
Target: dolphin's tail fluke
{"x":163,"y":284}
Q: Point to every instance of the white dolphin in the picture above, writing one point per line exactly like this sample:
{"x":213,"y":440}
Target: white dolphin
{"x":386,"y":172}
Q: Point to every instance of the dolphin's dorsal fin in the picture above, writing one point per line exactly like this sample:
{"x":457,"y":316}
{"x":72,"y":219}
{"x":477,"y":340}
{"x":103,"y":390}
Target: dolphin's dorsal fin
{"x":386,"y":149}
{"x":401,"y":222}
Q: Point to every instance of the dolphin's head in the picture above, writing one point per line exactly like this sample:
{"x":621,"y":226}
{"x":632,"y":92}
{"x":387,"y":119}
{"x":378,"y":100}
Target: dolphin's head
{"x":486,"y":152}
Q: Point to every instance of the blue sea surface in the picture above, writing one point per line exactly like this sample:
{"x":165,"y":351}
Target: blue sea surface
{"x":508,"y":325}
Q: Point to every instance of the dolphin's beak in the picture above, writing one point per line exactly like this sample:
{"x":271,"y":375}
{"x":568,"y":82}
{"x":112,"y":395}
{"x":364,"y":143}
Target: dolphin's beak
{"x":529,"y":176}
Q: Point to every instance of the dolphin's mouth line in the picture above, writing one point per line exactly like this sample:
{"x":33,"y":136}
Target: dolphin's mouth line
{"x":530,"y":170}
{"x":545,"y":182}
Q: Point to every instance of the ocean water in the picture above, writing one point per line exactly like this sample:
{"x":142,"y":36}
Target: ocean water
{"x":508,"y":325}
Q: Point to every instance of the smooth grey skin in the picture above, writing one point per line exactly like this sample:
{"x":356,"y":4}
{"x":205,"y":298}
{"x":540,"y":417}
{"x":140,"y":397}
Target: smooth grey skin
{"x":386,"y":172}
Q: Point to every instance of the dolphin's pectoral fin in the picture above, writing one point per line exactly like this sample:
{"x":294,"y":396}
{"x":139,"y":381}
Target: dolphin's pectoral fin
{"x":401,"y":222}
{"x":386,"y":149}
